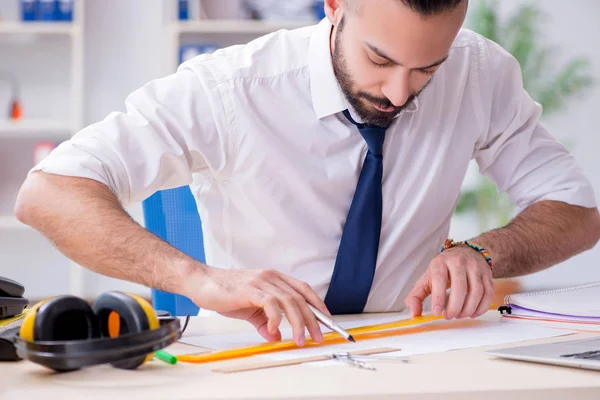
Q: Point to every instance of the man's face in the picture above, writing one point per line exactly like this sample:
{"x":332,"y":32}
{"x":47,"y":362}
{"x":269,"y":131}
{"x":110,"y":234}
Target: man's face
{"x":384,"y":54}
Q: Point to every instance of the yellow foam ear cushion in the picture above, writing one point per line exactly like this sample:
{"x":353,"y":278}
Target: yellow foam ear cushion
{"x":152,"y":318}
{"x":26,"y":331}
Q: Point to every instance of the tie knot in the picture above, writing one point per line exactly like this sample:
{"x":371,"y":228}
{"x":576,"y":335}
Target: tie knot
{"x":373,"y":135}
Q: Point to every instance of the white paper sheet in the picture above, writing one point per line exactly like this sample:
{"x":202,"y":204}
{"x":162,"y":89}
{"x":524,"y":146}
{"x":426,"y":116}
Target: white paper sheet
{"x":439,"y":336}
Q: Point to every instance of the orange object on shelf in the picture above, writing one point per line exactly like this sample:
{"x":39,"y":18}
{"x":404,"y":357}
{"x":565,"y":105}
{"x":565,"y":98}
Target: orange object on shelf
{"x":16,"y":112}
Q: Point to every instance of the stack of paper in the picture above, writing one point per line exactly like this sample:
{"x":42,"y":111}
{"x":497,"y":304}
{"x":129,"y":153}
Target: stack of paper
{"x":574,"y":307}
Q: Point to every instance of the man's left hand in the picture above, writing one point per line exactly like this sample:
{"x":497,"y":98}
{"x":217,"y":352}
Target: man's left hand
{"x":469,"y":278}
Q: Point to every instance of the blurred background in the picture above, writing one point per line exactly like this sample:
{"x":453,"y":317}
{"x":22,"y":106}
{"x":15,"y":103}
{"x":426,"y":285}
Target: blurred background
{"x":68,"y":63}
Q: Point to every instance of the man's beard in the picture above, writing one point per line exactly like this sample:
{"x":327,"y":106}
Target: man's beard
{"x":365,"y":110}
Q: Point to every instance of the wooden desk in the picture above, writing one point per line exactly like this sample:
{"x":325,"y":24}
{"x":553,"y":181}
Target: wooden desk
{"x":462,"y":374}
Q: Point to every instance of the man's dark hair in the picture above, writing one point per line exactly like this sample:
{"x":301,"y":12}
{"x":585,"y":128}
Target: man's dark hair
{"x":427,"y":8}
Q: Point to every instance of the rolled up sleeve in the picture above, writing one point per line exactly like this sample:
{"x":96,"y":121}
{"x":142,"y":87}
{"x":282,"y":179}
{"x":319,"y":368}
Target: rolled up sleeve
{"x":172,"y":128}
{"x":516,"y":151}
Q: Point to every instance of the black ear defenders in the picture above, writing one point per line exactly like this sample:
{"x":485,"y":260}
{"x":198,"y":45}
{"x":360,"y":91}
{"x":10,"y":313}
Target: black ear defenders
{"x":65,"y":333}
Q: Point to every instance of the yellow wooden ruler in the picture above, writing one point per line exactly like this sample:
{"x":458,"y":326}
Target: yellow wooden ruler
{"x":360,"y":333}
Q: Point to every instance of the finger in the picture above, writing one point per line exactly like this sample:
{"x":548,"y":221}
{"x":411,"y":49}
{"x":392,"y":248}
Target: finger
{"x":439,"y":284}
{"x":260,"y":321}
{"x":416,"y":297}
{"x":310,"y":319}
{"x":486,"y":299}
{"x":458,"y":289}
{"x":474,"y":294}
{"x":291,"y":309}
{"x":267,"y":317}
{"x":307,"y":292}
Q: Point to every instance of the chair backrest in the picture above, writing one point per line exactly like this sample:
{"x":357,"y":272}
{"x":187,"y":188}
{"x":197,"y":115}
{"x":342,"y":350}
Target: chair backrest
{"x":172,"y":215}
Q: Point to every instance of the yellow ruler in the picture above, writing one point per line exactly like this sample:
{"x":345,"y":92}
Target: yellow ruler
{"x":360,"y":333}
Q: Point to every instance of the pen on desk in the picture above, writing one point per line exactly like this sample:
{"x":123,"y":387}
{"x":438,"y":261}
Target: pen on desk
{"x":166,"y":357}
{"x":328,"y":322}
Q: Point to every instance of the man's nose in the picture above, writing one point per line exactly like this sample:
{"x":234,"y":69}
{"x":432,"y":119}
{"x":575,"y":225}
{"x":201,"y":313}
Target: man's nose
{"x":397,"y":89}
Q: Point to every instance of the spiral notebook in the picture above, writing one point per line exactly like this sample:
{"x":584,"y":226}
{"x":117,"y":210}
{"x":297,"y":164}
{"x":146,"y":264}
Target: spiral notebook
{"x":578,"y":304}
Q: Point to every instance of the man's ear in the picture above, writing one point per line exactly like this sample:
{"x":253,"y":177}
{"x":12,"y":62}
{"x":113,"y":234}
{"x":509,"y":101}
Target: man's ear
{"x":333,"y":10}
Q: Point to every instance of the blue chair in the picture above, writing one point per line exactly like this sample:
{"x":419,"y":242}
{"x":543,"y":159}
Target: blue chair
{"x":172,"y":215}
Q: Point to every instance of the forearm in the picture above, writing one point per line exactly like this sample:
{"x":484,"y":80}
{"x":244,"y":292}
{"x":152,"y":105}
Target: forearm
{"x":84,"y":220}
{"x":544,"y":234}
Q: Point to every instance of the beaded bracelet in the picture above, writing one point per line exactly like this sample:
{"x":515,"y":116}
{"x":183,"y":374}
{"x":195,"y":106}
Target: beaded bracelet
{"x":449,"y":243}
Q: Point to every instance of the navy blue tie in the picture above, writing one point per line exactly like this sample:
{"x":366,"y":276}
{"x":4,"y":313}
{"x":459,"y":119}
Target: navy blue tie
{"x":357,"y":254}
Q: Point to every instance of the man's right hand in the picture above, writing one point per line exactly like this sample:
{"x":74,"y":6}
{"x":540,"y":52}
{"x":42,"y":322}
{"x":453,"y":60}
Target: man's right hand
{"x":259,"y":296}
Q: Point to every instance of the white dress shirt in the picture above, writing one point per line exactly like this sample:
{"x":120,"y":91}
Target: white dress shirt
{"x":258,"y":134}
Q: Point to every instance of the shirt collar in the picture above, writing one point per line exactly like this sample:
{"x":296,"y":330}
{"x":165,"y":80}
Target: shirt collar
{"x":326,"y":93}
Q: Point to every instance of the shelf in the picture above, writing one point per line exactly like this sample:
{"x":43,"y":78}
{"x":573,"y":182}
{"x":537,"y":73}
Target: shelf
{"x":237,"y":26}
{"x":38,"y":28}
{"x":35,"y":129}
{"x":11,"y":222}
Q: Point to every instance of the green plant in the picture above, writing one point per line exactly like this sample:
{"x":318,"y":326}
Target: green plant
{"x":519,"y":35}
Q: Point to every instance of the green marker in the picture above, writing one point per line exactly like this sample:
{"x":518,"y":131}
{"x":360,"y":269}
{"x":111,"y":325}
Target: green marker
{"x":166,"y":357}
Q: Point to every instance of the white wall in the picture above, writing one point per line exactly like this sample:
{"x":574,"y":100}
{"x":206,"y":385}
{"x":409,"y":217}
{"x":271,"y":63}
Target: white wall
{"x":572,"y":27}
{"x":576,"y":30}
{"x":124,"y":42}
{"x":123,"y":50}
{"x":42,"y":66}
